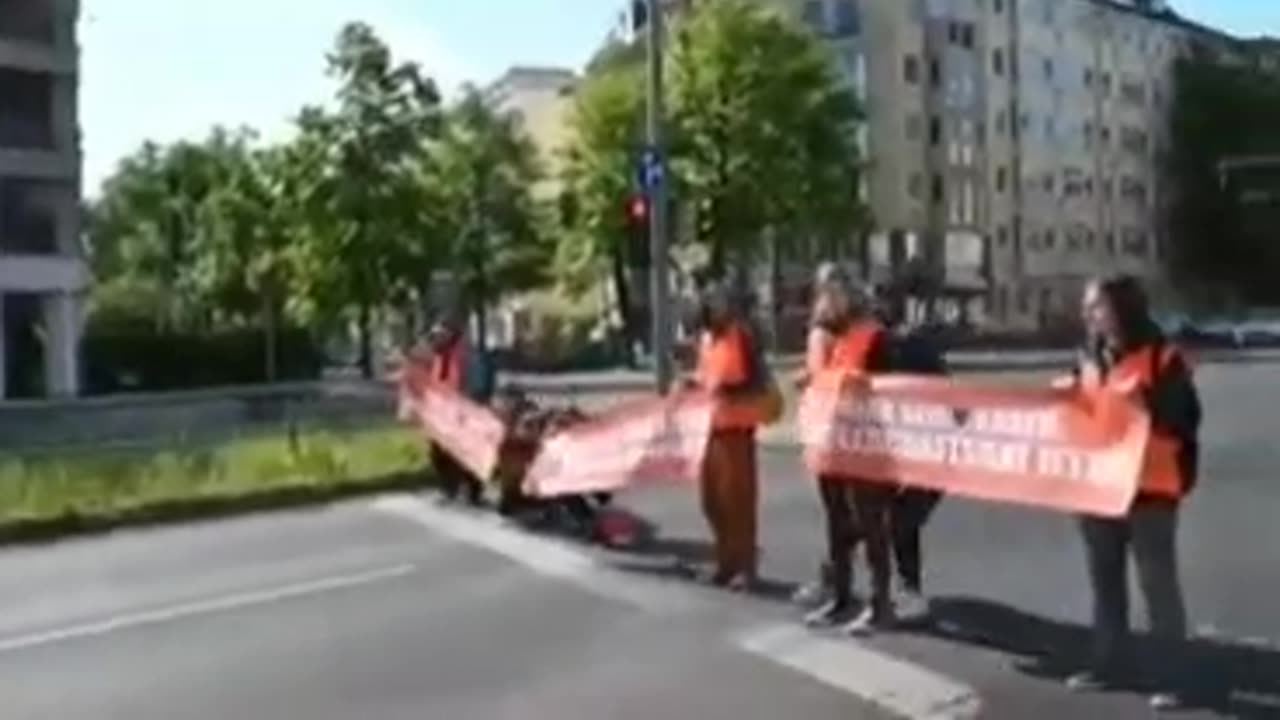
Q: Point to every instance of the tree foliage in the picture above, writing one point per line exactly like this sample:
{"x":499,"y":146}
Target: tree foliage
{"x":373,"y":196}
{"x":764,"y":137}
{"x":1222,"y":110}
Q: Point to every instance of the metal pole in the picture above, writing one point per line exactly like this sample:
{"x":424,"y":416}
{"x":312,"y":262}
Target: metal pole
{"x":659,"y":279}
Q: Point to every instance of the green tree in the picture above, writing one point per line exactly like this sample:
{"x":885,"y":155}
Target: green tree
{"x":145,"y":230}
{"x":368,"y":155}
{"x":766,"y":132}
{"x":1220,"y":111}
{"x":607,"y":129}
{"x":485,"y":173}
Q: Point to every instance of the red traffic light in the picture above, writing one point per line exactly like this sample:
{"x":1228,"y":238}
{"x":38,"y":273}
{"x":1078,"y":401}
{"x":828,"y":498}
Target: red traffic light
{"x":638,"y":209}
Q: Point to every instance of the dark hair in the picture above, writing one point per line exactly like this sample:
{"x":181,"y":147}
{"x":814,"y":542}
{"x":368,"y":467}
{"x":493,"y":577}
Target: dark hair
{"x":1129,"y":303}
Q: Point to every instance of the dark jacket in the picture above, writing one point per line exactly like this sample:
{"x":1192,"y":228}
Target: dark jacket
{"x":917,"y":352}
{"x":1172,"y":399}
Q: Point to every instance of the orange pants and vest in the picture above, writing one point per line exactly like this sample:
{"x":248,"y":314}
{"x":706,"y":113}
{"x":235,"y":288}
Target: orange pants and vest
{"x":730,"y":487}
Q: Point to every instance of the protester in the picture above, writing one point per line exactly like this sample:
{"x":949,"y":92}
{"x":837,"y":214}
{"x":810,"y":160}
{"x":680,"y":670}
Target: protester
{"x":856,"y":510}
{"x":817,"y":349}
{"x":728,"y":361}
{"x":1125,"y":353}
{"x":456,"y":366}
{"x":915,"y":351}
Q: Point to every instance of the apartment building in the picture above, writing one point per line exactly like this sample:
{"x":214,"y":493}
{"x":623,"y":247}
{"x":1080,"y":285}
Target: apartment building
{"x":541,"y":99}
{"x":42,"y":272}
{"x":1015,"y":146}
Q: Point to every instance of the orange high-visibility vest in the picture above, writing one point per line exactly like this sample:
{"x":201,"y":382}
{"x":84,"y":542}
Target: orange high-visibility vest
{"x":851,"y":350}
{"x":724,"y":360}
{"x":1139,"y":370}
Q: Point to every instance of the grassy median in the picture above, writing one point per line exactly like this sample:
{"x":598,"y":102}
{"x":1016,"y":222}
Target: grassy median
{"x":49,"y":494}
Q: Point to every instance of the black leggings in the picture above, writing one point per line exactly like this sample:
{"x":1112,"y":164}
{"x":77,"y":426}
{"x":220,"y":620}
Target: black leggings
{"x":453,"y":477}
{"x":896,"y":519}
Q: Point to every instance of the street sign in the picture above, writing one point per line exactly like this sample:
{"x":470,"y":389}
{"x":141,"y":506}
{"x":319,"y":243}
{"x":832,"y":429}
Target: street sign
{"x":651,"y":170}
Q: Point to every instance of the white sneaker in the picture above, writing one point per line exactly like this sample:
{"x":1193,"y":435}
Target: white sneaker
{"x":830,"y":614}
{"x":867,"y":623}
{"x":811,"y":594}
{"x":910,"y":605}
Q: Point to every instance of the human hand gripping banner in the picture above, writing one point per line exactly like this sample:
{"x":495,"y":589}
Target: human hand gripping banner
{"x":470,"y":432}
{"x":1046,"y":447}
{"x":650,"y":441}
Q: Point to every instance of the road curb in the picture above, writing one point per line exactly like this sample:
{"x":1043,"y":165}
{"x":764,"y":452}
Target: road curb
{"x":182,"y":510}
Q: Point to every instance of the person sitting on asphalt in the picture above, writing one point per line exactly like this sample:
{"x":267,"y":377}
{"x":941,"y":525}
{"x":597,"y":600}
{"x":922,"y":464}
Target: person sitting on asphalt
{"x":857,"y":510}
{"x":1125,"y":353}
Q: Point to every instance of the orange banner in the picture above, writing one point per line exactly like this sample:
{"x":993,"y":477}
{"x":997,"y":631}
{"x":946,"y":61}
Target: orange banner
{"x":470,"y":432}
{"x":1045,"y":447}
{"x":657,"y":440}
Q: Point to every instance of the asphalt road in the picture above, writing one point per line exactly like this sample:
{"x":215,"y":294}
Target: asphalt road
{"x":396,"y":609}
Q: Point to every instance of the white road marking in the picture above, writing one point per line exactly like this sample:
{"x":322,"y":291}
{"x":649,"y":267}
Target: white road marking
{"x":225,"y":603}
{"x":546,"y":556}
{"x":899,"y":687}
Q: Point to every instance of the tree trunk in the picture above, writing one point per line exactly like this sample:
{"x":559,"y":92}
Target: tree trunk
{"x":622,"y":288}
{"x":365,"y":329}
{"x":270,"y":336}
{"x":775,"y":290}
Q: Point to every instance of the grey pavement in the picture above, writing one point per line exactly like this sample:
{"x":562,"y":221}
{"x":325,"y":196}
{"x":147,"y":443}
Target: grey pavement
{"x":356,"y":612}
{"x":1010,"y":584}
{"x":347,"y":613}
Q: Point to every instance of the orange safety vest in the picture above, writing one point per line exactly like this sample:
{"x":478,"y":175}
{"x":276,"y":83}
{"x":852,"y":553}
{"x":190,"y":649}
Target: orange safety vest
{"x":851,"y":350}
{"x":446,"y":366}
{"x":1140,"y":369}
{"x":724,"y":359}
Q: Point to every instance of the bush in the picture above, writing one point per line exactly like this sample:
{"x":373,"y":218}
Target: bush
{"x":143,"y":359}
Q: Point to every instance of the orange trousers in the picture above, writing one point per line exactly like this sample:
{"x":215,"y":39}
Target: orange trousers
{"x":730,"y":500}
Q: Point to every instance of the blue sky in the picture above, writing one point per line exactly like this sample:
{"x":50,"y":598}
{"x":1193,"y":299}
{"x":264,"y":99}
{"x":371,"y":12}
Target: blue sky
{"x":168,"y":69}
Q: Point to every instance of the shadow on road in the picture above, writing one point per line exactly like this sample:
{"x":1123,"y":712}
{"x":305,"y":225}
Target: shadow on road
{"x":1231,"y":679}
{"x":683,"y":559}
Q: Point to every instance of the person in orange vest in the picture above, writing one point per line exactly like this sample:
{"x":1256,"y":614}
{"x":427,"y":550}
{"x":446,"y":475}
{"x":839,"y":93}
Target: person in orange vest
{"x":727,"y":368}
{"x":817,"y":348}
{"x":452,"y":365}
{"x":857,"y":511}
{"x":1127,"y":354}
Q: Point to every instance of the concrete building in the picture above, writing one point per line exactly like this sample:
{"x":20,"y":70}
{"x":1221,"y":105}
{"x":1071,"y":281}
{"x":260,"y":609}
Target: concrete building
{"x":540,"y":98}
{"x":42,"y":271}
{"x":1014,"y":147}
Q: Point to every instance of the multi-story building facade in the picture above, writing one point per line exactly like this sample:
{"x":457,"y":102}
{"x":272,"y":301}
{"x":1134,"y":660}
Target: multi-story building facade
{"x":540,"y":99}
{"x":42,"y":271}
{"x":1014,"y":148}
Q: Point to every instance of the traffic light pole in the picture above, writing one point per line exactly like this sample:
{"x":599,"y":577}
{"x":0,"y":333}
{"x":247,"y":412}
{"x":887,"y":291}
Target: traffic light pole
{"x":659,"y":279}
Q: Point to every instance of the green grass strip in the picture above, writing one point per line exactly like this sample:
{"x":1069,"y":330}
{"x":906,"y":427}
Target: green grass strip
{"x":48,"y":496}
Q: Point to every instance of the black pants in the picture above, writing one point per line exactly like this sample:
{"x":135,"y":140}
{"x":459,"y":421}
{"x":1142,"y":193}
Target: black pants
{"x":911,"y":510}
{"x":454,"y":478}
{"x":1150,"y":530}
{"x":858,"y":512}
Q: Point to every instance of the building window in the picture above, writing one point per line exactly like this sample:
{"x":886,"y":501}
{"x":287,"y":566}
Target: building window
{"x":1111,"y":243}
{"x":847,"y":20}
{"x":1048,"y":182}
{"x":935,"y":130}
{"x":997,"y":6}
{"x":911,"y":69}
{"x":813,"y":15}
{"x":1050,"y":239}
{"x":997,"y":61}
{"x":938,"y":188}
{"x":1002,"y":179}
{"x":1088,"y":77}
{"x":1001,"y":121}
{"x":1105,"y":135}
{"x":1048,"y":68}
{"x":935,"y":72}
{"x":967,"y":36}
{"x":1002,"y":236}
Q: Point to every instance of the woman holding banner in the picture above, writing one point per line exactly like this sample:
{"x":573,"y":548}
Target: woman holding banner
{"x":453,"y":365}
{"x":729,"y":367}
{"x":856,"y":510}
{"x":1127,"y":355}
